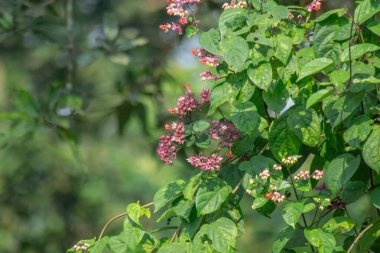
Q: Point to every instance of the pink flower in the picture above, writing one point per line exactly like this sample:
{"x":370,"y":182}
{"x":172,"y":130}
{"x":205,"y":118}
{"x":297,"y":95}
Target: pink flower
{"x":179,"y":132}
{"x":317,"y":174}
{"x":224,"y":132}
{"x":206,"y":163}
{"x":205,"y":96}
{"x":207,"y":75}
{"x":264,"y":175}
{"x":166,"y":150}
{"x":275,"y":197}
{"x":303,"y":174}
{"x":185,"y":104}
{"x":234,"y":5}
{"x":180,"y":9}
{"x":315,"y":5}
{"x":206,"y":57}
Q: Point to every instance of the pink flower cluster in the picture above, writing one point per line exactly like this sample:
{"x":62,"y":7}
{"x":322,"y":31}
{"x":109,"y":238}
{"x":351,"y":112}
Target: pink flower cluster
{"x":169,"y":144}
{"x":234,"y":5}
{"x":206,"y":163}
{"x":264,"y":175}
{"x":315,"y":5}
{"x":317,"y":174}
{"x":275,"y":197}
{"x":166,"y":149}
{"x":181,"y":9}
{"x":206,"y":58}
{"x":205,"y":96}
{"x":188,"y":103}
{"x":302,"y":175}
{"x":224,"y":132}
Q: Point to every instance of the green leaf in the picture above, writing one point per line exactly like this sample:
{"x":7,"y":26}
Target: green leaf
{"x":259,"y":202}
{"x":324,"y":44}
{"x":339,"y":76}
{"x":210,"y":41}
{"x":99,"y":245}
{"x":374,"y":27}
{"x":175,"y":247}
{"x":246,"y":118}
{"x":313,"y":67}
{"x":132,"y":236}
{"x":309,"y":207}
{"x":221,"y":94}
{"x":369,"y":237}
{"x":232,"y":19}
{"x":211,"y":195}
{"x":192,"y":186}
{"x":282,"y":239}
{"x":200,"y":126}
{"x":375,"y":198}
{"x":338,"y":108}
{"x":323,"y":240}
{"x":183,"y":208}
{"x":339,"y":225}
{"x":261,"y":75}
{"x":340,"y":12}
{"x":277,"y":98}
{"x":110,"y":26}
{"x":167,"y":193}
{"x":135,"y":212}
{"x":256,"y":165}
{"x":292,"y":213}
{"x":222,"y":233}
{"x":371,"y":150}
{"x":358,"y":51}
{"x":366,"y":10}
{"x":353,"y":191}
{"x":235,"y":51}
{"x":318,"y":96}
{"x":282,"y":141}
{"x":283,"y":46}
{"x":306,"y":125}
{"x":340,"y":171}
{"x":358,"y":132}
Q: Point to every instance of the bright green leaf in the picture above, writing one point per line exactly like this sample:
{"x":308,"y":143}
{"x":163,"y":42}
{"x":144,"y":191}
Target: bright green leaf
{"x":314,"y":67}
{"x":292,"y":213}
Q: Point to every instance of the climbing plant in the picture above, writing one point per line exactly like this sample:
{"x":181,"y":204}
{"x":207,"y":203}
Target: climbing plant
{"x":291,"y":122}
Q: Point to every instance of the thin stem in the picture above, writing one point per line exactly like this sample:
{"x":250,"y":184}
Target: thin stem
{"x":360,"y":236}
{"x":70,"y":43}
{"x":176,"y":233}
{"x":296,"y":194}
{"x":117,"y":217}
{"x":163,"y":229}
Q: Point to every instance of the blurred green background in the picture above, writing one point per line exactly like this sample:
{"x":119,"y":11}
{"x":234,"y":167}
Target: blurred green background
{"x":81,"y":110}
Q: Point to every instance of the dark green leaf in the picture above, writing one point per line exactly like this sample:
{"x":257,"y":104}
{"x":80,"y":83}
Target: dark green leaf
{"x":282,"y":239}
{"x":358,"y":51}
{"x":211,"y":195}
{"x":210,"y":41}
{"x":318,"y":96}
{"x":306,"y":125}
{"x":167,"y":193}
{"x":339,"y":225}
{"x":292,"y":213}
{"x":366,"y":10}
{"x":282,"y":141}
{"x":371,"y":150}
{"x":314,"y":67}
{"x":375,"y":198}
{"x":358,"y":132}
{"x":235,"y":51}
{"x":340,"y":171}
{"x":323,"y":240}
{"x":261,"y":75}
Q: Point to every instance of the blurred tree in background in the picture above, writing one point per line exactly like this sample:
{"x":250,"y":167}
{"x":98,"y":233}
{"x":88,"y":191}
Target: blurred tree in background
{"x":83,"y":85}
